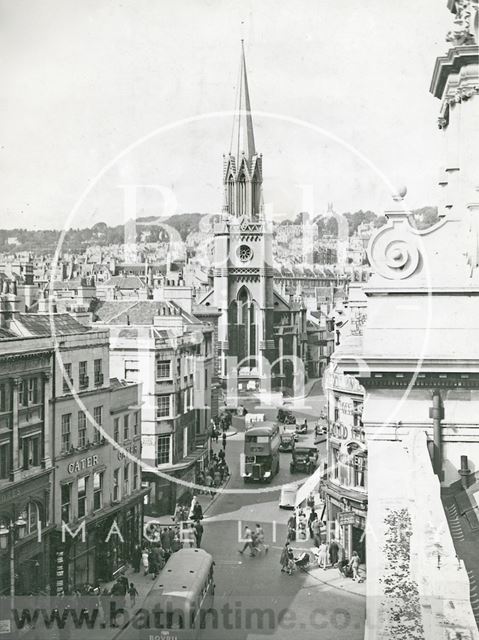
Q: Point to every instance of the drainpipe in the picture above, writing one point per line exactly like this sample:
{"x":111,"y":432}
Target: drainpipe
{"x":437,"y":414}
{"x":464,"y":472}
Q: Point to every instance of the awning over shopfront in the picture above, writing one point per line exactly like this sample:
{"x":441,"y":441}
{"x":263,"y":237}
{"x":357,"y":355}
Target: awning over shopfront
{"x":311,"y":485}
{"x":390,"y":406}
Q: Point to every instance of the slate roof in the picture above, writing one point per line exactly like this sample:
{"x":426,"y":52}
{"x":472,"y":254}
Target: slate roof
{"x":141,"y":312}
{"x":124,"y":282}
{"x":34,"y":324}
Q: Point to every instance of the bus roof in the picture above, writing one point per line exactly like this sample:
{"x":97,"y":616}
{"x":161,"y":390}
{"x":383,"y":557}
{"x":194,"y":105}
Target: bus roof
{"x":265,"y":428}
{"x":184,"y":573}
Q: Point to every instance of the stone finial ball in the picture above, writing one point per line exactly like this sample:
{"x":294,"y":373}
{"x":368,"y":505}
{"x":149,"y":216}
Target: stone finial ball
{"x":401,"y":191}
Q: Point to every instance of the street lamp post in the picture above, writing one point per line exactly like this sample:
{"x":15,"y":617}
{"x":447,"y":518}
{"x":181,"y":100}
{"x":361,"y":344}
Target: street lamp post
{"x":7,"y":541}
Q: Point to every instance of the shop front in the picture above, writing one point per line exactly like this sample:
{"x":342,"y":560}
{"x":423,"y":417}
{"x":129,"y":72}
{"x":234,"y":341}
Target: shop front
{"x":346,"y":516}
{"x":28,"y":502}
{"x":103,"y":551}
{"x":166,"y":493}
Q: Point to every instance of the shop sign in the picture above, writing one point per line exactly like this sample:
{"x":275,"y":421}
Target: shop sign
{"x":132,"y":448}
{"x":346,"y":407}
{"x":339,"y":431}
{"x":349,"y":517}
{"x":83,"y":463}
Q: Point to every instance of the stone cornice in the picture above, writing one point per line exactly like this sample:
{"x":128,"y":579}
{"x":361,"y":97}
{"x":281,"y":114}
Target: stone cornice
{"x":456,"y":58}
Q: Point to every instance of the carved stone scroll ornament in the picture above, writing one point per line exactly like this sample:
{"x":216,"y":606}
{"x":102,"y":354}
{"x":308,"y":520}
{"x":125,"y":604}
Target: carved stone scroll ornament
{"x":393,"y":252}
{"x":464,"y":30}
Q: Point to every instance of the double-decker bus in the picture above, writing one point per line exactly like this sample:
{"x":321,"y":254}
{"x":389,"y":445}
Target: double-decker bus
{"x":260,"y":460}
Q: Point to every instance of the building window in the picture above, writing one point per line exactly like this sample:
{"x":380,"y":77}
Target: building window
{"x":66,"y":432}
{"x":82,"y":374}
{"x":33,"y":391}
{"x":116,"y":430}
{"x":335,"y":460}
{"x":163,"y":449}
{"x":126,"y":478}
{"x":163,"y":406}
{"x":163,"y":369}
{"x":136,"y":423}
{"x":116,"y":485}
{"x":31,"y":515}
{"x":3,"y":398}
{"x":97,"y":371}
{"x":135,"y":475}
{"x":132,"y":370}
{"x":67,"y":376}
{"x":66,"y":498}
{"x":336,"y":409}
{"x":126,"y":426}
{"x":4,"y":460}
{"x":81,"y":429}
{"x":31,"y":451}
{"x":97,"y":490}
{"x":23,"y":393}
{"x":98,"y":417}
{"x":82,"y":490}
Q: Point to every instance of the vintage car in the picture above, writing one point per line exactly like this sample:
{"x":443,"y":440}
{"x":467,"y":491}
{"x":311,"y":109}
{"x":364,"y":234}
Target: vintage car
{"x":287,"y":439}
{"x":302,"y":428}
{"x":303,"y":459}
{"x":287,"y":499}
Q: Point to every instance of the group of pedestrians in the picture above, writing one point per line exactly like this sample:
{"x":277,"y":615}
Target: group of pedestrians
{"x":254,"y":541}
{"x":216,"y":471}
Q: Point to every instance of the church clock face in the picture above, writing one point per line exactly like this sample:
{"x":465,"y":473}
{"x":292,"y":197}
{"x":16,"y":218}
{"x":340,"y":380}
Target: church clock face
{"x":245,"y":253}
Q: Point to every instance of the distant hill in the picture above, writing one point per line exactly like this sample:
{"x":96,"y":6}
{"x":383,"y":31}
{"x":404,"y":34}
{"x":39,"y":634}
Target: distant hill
{"x":13,"y":240}
{"x":151,"y":229}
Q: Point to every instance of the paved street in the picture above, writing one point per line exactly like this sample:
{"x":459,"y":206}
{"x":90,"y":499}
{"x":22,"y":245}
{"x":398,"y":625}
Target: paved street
{"x":314,"y":609}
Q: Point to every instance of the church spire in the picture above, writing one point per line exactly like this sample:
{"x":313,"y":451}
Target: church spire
{"x":242,"y":139}
{"x":242,"y":168}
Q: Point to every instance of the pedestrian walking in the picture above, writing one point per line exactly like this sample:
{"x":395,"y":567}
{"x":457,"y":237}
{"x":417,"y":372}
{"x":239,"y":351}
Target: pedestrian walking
{"x":132,"y":592}
{"x":259,"y":539}
{"x":145,"y":560}
{"x":316,"y":529}
{"x":283,"y":560}
{"x":312,"y":517}
{"x":333,"y":551}
{"x":224,"y":440}
{"x":291,"y":565}
{"x":248,"y":540}
{"x":354,"y":565}
{"x":136,"y":558}
{"x":197,"y":512}
{"x":198,"y":533}
{"x":216,"y":435}
{"x":323,"y":555}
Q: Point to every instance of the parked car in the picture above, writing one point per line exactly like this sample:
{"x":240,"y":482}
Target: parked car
{"x":287,"y":499}
{"x":320,"y":433}
{"x":303,"y":459}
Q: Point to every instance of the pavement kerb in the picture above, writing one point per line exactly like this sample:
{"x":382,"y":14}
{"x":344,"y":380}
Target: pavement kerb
{"x":313,"y":574}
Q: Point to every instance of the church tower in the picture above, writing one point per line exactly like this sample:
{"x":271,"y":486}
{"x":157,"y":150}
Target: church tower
{"x":243,"y":270}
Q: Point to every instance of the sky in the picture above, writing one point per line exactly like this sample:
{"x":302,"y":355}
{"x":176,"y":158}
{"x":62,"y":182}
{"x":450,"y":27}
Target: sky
{"x":339,"y":92}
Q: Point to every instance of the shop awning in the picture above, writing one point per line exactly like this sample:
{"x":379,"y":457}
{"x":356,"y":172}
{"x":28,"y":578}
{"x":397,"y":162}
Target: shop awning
{"x":311,"y":485}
